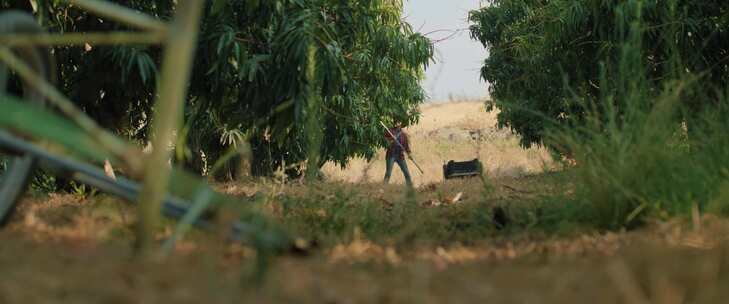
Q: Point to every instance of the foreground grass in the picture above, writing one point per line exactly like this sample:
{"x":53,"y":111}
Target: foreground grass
{"x":368,"y":244}
{"x":460,"y":211}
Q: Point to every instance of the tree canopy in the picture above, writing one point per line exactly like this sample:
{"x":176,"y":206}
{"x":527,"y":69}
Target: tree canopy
{"x":543,"y":54}
{"x":249,"y":79}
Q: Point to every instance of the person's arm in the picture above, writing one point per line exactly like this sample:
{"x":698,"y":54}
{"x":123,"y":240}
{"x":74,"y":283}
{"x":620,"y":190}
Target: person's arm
{"x":406,"y":143}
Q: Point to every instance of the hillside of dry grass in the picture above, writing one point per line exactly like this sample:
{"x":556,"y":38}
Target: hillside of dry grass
{"x":457,"y":131}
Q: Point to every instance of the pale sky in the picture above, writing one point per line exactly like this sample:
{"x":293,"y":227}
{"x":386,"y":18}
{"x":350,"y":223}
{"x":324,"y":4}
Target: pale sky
{"x":458,"y":59}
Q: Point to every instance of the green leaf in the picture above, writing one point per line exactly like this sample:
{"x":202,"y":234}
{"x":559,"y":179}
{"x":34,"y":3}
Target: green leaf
{"x":41,"y":123}
{"x":218,"y":7}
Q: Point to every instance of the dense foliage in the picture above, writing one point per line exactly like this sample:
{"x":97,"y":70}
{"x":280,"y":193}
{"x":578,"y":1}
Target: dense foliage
{"x":543,"y":54}
{"x":250,"y":81}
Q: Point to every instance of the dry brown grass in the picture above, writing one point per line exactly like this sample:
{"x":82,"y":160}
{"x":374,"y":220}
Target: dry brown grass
{"x":666,"y":263}
{"x":70,"y":249}
{"x":446,"y":132}
{"x":63,"y":249}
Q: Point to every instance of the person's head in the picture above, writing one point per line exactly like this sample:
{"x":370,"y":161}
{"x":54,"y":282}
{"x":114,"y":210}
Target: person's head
{"x":398,"y":122}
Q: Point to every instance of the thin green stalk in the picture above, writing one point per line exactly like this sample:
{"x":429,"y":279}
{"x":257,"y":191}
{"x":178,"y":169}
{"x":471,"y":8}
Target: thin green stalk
{"x":176,"y":70}
{"x":16,"y":40}
{"x":124,"y":152}
{"x":4,"y":75}
{"x":313,"y":127}
{"x":202,"y":200}
{"x":122,"y":14}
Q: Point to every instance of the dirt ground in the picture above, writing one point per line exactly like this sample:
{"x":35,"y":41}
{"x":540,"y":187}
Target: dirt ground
{"x":66,"y":248}
{"x":666,"y":263}
{"x":70,"y":249}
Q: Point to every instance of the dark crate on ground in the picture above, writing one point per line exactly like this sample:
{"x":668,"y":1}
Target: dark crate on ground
{"x":460,"y":169}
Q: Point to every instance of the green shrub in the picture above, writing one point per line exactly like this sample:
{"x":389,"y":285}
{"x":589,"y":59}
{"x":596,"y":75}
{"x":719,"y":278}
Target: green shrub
{"x":634,"y":157}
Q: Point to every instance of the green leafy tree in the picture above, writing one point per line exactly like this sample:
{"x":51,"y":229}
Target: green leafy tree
{"x":368,"y":64}
{"x":547,"y":59}
{"x":249,"y":80}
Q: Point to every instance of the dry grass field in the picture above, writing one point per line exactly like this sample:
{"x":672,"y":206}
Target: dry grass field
{"x":66,"y":249}
{"x":457,"y":131}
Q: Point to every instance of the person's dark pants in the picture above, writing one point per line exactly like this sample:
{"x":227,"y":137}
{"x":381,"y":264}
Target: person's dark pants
{"x":403,"y":166}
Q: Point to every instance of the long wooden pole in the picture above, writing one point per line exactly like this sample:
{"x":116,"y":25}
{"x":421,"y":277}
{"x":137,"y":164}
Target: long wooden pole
{"x":122,"y":14}
{"x":403,"y":148}
{"x":176,"y":70}
{"x":92,"y":39}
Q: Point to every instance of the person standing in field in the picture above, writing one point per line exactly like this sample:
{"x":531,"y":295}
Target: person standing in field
{"x":398,"y":145}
